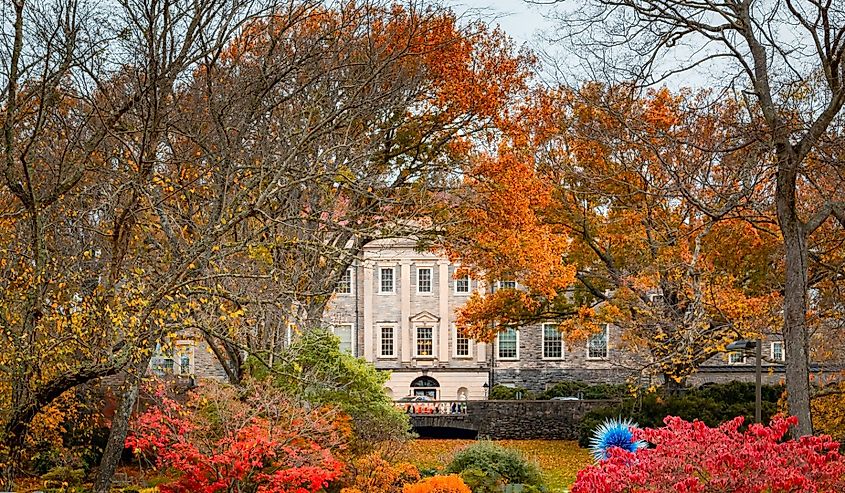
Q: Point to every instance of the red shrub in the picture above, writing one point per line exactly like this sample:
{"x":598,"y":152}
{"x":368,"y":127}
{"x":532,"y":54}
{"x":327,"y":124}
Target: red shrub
{"x":254,"y":442}
{"x":693,"y":458}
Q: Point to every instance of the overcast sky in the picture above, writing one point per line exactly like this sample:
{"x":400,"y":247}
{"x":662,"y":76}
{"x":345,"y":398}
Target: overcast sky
{"x":519,"y":19}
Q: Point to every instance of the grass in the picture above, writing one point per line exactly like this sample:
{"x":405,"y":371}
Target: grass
{"x":559,"y":460}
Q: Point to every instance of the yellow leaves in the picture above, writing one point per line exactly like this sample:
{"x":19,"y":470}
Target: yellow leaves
{"x":559,"y":460}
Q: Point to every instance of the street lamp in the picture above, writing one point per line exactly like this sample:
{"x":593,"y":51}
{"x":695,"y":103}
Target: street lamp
{"x":486,"y":388}
{"x":745,"y":345}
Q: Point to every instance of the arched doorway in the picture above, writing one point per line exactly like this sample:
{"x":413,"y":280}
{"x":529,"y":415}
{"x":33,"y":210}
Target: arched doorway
{"x":425,"y":386}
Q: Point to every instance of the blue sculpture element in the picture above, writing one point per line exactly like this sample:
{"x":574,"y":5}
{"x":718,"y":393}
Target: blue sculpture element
{"x":614,"y":433}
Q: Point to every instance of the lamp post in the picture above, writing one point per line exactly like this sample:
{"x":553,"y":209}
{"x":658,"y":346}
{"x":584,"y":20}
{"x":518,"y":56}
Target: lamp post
{"x":745,"y":345}
{"x":486,"y":388}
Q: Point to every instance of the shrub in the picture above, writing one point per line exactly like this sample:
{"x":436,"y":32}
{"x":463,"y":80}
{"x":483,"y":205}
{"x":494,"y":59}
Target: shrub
{"x":250,"y":440}
{"x":498,"y":465}
{"x":317,"y":371}
{"x":586,"y":391}
{"x":711,"y":404}
{"x":439,"y":484}
{"x":691,"y":457}
{"x":371,"y":473}
{"x":503,"y":393}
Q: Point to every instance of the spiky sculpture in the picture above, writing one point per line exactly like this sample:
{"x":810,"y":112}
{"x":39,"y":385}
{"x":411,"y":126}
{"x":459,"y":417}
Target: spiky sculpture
{"x":614,"y":432}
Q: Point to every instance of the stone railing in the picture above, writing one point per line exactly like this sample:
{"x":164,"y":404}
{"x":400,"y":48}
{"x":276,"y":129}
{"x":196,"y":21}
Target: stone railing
{"x":433,"y":407}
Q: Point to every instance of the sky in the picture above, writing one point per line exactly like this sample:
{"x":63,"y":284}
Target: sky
{"x":522,"y":21}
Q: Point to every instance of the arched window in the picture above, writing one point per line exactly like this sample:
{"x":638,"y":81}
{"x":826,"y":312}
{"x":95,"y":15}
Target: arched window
{"x":425,"y":386}
{"x":425,"y":382}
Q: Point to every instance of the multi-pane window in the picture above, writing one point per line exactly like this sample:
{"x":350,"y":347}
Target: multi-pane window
{"x":424,"y":280}
{"x":736,"y":358}
{"x":172,"y":359}
{"x":344,"y":285}
{"x":387,"y":342}
{"x":597,"y":345}
{"x":344,"y":333}
{"x":552,"y":342}
{"x":462,"y":285}
{"x":425,"y":341}
{"x":507,"y":284}
{"x":777,"y":351}
{"x":461,"y":343}
{"x":508,"y":344}
{"x":386,"y":280}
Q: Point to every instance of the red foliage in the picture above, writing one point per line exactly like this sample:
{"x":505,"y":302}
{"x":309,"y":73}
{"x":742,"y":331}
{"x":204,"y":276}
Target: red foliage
{"x":693,"y":458}
{"x":240,"y":447}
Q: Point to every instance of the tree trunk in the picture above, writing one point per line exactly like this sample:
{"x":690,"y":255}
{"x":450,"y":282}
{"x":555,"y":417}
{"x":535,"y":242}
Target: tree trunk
{"x":795,"y":332}
{"x":120,"y":427}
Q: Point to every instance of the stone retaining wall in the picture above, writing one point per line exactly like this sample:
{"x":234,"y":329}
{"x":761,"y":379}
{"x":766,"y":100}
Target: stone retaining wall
{"x":516,"y":420}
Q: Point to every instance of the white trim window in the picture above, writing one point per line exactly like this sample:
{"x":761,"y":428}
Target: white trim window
{"x":346,"y":334}
{"x":424,"y":280}
{"x":506,"y":285}
{"x":552,"y":342}
{"x":778,"y":353}
{"x":463,"y":285}
{"x":344,"y":285}
{"x":462,"y":344}
{"x":173,"y":358}
{"x":425,"y":342}
{"x":597,"y":344}
{"x":736,"y":358}
{"x":387,"y":341}
{"x":386,"y":280}
{"x":507,"y":344}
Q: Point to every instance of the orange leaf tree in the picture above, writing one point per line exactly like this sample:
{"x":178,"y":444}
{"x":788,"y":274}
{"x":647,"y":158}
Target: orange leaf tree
{"x":583,"y":204}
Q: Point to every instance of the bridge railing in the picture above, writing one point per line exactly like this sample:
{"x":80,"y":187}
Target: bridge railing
{"x":432,"y":407}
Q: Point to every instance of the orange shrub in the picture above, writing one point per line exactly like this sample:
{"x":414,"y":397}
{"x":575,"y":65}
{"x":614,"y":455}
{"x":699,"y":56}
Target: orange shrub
{"x":373,"y":474}
{"x":439,"y":484}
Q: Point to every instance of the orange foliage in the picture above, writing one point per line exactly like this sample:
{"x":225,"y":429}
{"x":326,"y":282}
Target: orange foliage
{"x":439,"y":484}
{"x":598,"y":200}
{"x":373,"y":474}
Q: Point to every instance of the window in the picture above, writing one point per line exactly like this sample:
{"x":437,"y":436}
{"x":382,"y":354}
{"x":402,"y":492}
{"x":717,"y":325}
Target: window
{"x":507,"y":284}
{"x":736,"y":358}
{"x":462,"y":285}
{"x":344,"y":333}
{"x":508,"y":344}
{"x":344,"y":285}
{"x":385,"y":280}
{"x":461,"y":343}
{"x":777,"y":351}
{"x":425,"y":341}
{"x":388,"y":348}
{"x":656,"y":299}
{"x":173,"y":359}
{"x":597,"y":345}
{"x":423,"y":280}
{"x":552,"y":342}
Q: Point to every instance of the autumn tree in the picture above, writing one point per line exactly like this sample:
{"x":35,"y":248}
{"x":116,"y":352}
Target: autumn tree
{"x":172,"y":166}
{"x":433,"y":84}
{"x":601,"y":233}
{"x":787,"y":59}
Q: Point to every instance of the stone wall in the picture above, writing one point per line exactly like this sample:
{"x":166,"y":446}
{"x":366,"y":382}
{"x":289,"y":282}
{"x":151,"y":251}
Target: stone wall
{"x":524,"y":420}
{"x":540,"y":379}
{"x":518,"y":420}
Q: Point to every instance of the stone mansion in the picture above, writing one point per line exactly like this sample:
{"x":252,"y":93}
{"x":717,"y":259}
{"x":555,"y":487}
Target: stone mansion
{"x":397,"y":307}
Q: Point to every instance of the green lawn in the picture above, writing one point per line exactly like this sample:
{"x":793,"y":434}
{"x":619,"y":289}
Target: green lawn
{"x":559,"y":460}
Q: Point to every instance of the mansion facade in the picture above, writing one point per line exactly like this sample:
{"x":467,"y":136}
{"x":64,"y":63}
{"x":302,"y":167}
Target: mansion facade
{"x":397,"y":307}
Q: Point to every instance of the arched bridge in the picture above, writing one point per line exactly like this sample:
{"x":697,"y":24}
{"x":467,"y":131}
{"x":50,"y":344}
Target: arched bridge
{"x":523,"y":419}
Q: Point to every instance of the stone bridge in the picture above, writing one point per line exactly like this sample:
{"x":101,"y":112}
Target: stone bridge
{"x":499,"y":420}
